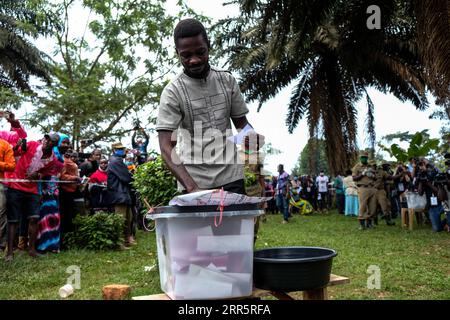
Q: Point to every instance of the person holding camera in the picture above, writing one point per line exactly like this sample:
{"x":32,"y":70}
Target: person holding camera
{"x":364,"y":176}
{"x":7,"y":164}
{"x":16,"y":133}
{"x":445,"y":193}
{"x":431,"y":183}
{"x":138,"y":143}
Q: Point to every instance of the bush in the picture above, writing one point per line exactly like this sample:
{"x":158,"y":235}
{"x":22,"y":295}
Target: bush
{"x":250,"y":178}
{"x":101,"y":231}
{"x":155,"y":183}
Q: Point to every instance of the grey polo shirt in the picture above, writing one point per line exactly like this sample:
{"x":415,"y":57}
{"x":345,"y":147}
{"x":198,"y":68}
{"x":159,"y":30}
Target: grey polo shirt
{"x":199,"y":112}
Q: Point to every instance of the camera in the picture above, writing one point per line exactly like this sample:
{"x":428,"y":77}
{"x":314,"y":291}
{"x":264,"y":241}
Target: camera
{"x":422,"y":176}
{"x":86,"y":141}
{"x":23,"y":145}
{"x":440,"y":178}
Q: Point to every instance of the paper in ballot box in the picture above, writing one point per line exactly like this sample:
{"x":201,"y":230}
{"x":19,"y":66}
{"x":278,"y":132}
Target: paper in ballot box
{"x":202,"y":258}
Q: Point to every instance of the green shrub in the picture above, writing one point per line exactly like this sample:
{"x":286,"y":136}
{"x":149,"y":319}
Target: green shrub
{"x":155,"y":182}
{"x":250,"y":178}
{"x":101,"y":231}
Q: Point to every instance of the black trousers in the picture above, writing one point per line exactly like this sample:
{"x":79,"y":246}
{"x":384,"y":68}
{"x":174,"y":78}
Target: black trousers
{"x":340,"y":203}
{"x":66,"y":210}
{"x":237,"y":186}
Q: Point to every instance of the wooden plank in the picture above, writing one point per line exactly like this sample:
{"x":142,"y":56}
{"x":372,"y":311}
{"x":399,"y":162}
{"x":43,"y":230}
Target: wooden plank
{"x":281,"y":295}
{"x":316,"y":294}
{"x":159,"y":296}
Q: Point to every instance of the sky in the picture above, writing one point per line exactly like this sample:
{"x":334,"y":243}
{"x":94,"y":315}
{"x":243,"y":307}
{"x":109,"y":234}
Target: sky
{"x":391,"y":115}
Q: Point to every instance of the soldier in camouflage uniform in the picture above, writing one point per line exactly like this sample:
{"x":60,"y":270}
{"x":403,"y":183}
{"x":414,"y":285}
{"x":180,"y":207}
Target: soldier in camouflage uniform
{"x":364,"y":176}
{"x":381,"y":178}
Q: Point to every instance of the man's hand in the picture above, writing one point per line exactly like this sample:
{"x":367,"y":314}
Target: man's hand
{"x":192,"y":190}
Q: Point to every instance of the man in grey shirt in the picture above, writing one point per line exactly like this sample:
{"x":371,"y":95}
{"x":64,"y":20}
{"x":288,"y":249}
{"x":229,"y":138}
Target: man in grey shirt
{"x":194,"y":114}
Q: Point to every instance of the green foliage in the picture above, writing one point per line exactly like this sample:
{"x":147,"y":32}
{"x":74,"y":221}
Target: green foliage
{"x":119,"y":71}
{"x":249,"y":177}
{"x":312,"y":158}
{"x":415,"y":263}
{"x":326,"y":52}
{"x":420,"y":145}
{"x":10,"y":98}
{"x":20,"y":59}
{"x":101,"y":231}
{"x":155,"y":183}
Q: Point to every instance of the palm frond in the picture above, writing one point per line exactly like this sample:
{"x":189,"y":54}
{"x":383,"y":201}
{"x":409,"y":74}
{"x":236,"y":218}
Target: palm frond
{"x":433,"y":30}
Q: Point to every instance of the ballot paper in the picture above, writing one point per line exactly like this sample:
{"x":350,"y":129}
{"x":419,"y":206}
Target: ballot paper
{"x":214,"y":197}
{"x":231,"y":243}
{"x":239,"y":138}
{"x":201,"y":283}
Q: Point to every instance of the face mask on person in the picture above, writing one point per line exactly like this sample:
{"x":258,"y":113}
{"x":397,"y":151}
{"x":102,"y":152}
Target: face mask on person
{"x":364,"y":160}
{"x":120,"y":153}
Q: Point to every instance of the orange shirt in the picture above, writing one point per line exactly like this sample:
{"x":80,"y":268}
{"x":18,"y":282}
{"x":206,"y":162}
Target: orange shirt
{"x":69,"y":173}
{"x":7,"y":161}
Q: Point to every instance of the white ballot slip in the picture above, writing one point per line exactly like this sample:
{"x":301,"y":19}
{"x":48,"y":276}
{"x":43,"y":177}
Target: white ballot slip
{"x":225,"y":243}
{"x":214,"y":197}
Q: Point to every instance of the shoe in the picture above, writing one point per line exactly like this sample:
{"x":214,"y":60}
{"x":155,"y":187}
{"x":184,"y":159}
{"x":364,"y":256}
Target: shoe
{"x":123,"y":247}
{"x":362,"y":225}
{"x":370,"y":225}
{"x":9,"y":258}
{"x":389,"y":221}
{"x":23,"y":243}
{"x":34,"y":254}
{"x":284,"y":221}
{"x":131,"y":241}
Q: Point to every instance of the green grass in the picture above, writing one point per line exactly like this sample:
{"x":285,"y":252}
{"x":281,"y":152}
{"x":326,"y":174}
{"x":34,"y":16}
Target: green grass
{"x":414,"y":265}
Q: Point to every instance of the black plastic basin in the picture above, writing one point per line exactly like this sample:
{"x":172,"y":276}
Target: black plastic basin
{"x":292,"y":268}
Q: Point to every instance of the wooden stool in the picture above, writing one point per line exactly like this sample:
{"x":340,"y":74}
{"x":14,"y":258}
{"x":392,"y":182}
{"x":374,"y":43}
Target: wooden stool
{"x":116,"y":292}
{"x":315,"y":294}
{"x":408,"y":217}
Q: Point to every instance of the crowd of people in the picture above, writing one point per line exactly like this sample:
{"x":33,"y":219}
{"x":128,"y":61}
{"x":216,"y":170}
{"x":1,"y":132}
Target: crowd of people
{"x":45,"y":183}
{"x":369,"y":191}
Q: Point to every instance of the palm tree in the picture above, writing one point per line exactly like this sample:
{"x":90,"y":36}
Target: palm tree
{"x":433,"y":30}
{"x":326,"y":48}
{"x":18,"y":57}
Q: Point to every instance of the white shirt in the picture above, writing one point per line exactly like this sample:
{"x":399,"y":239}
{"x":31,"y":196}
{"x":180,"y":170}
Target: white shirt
{"x":199,"y":106}
{"x":322,"y":183}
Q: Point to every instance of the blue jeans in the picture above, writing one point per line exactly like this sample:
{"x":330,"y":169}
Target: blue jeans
{"x":435,"y":217}
{"x":283,"y":206}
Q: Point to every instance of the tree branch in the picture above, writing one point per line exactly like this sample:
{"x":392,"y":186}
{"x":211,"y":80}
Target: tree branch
{"x":113,"y":123}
